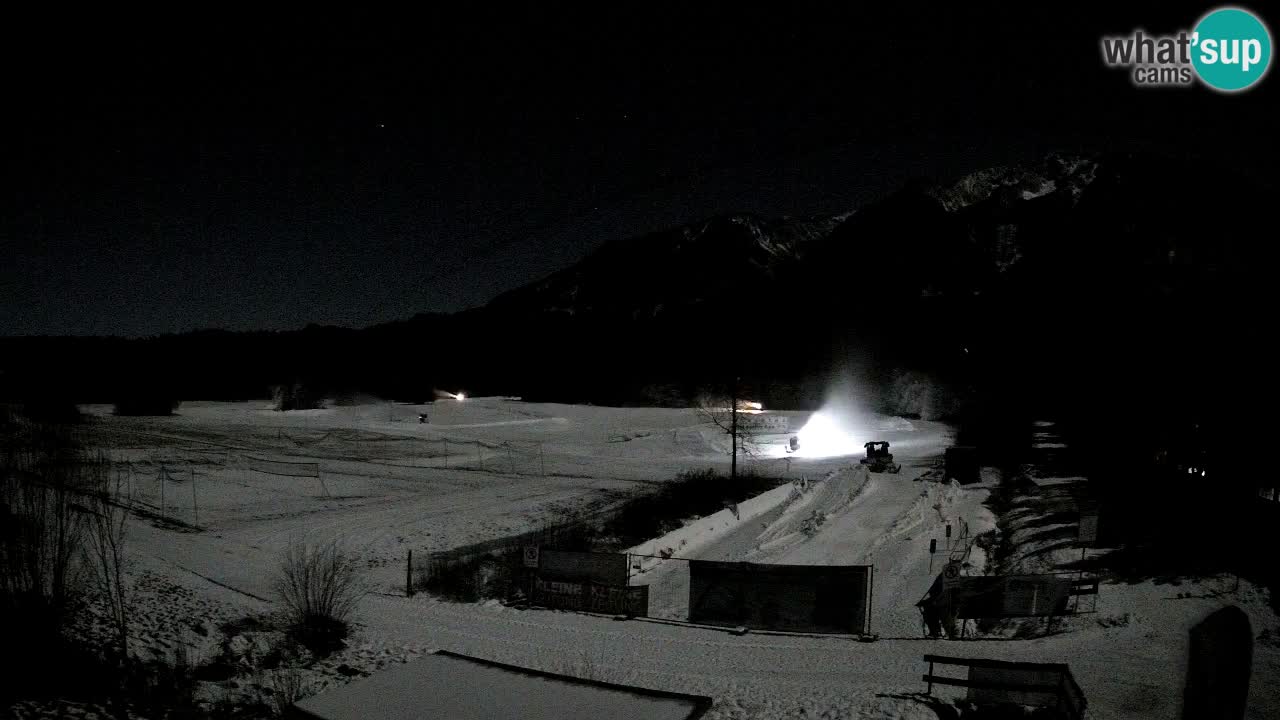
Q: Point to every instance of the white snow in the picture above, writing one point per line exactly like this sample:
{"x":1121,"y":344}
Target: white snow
{"x":444,"y":686}
{"x":1045,"y":188}
{"x":696,"y":536}
{"x":512,"y":466}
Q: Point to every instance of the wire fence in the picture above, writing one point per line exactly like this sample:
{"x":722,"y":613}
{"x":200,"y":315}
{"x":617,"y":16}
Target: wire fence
{"x":489,"y":569}
{"x":167,"y":492}
{"x":168,"y":483}
{"x":175,"y":487}
{"x":510,"y":457}
{"x":284,"y":468}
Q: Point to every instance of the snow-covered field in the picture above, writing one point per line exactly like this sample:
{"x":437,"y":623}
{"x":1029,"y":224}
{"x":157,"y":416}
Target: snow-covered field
{"x":485,"y":467}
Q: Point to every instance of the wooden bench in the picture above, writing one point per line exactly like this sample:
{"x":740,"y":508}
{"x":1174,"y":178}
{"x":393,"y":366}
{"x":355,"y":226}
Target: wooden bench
{"x":1064,"y":690}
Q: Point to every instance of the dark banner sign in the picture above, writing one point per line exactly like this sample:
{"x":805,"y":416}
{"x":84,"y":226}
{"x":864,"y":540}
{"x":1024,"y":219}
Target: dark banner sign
{"x":591,"y":597}
{"x":586,"y":567}
{"x":1010,"y":596}
{"x":798,"y":598}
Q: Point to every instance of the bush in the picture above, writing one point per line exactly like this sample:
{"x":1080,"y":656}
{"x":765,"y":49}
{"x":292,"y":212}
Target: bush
{"x":919,"y":395}
{"x":161,"y":688}
{"x":43,"y":531}
{"x":664,"y":395}
{"x":61,"y":534}
{"x":288,"y":686}
{"x":296,"y":397}
{"x":319,"y":586}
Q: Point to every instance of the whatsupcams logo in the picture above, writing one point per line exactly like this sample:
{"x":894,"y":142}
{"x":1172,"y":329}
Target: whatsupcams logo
{"x":1229,"y":50}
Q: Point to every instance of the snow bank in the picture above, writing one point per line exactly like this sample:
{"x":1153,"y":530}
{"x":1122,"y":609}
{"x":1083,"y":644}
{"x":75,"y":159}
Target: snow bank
{"x":704,"y":531}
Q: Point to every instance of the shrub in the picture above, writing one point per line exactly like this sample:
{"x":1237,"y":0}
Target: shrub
{"x":48,"y":490}
{"x":43,"y":531}
{"x":664,"y":395}
{"x":162,"y":688}
{"x":917,"y":394}
{"x":288,"y":686}
{"x":319,"y":586}
{"x":296,"y":396}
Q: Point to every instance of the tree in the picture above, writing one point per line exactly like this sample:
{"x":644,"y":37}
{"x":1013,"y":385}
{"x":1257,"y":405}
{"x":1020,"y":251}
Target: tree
{"x":724,"y":412}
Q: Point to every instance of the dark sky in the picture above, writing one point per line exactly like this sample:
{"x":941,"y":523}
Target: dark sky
{"x":164,"y":181}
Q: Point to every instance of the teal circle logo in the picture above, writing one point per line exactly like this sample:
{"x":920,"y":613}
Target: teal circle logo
{"x":1231,"y":49}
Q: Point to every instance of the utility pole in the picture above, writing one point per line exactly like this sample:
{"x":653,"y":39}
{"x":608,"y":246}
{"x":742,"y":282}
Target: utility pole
{"x":733,"y":428}
{"x":195,"y":506}
{"x":408,"y":575}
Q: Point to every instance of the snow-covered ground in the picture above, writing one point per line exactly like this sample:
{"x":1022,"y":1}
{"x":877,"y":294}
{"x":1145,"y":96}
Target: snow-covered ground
{"x":487,"y":467}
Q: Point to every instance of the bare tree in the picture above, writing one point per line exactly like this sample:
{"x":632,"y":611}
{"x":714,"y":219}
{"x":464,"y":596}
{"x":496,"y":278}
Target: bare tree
{"x":725,"y":413}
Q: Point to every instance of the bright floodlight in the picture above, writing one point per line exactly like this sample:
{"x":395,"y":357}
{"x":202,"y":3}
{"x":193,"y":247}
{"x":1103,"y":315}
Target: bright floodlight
{"x":460,"y":397}
{"x":825,"y":436}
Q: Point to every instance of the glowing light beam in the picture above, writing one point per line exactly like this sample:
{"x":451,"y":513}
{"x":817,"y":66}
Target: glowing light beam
{"x":825,"y":435}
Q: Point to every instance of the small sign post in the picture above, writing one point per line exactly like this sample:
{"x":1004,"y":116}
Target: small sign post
{"x":531,"y":562}
{"x":408,"y":575}
{"x":1087,"y":533}
{"x":950,"y":575}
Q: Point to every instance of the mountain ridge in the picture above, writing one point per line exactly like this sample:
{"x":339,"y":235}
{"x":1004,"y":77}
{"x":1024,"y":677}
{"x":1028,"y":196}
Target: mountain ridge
{"x":996,"y":279}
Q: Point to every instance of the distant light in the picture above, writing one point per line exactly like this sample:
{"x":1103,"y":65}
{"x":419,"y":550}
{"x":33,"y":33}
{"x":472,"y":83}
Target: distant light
{"x":460,"y":397}
{"x":1201,"y":473}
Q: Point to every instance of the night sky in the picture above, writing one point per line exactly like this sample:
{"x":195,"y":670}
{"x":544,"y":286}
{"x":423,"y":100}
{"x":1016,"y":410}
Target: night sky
{"x":169,"y":181}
